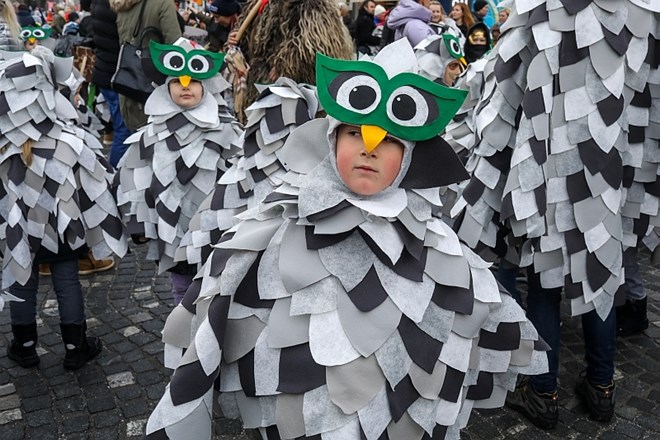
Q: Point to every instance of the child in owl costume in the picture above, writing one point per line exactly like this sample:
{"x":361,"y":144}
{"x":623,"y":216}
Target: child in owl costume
{"x":173,"y":163}
{"x":564,"y":171}
{"x":280,"y":109}
{"x":340,"y":307}
{"x":55,"y":201}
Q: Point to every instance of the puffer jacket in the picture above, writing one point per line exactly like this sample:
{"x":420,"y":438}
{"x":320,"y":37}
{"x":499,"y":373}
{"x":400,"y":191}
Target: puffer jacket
{"x":160,"y":14}
{"x":106,"y":43}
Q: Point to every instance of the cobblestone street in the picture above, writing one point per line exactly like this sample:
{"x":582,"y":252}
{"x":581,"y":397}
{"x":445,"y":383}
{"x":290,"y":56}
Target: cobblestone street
{"x":112,"y":396}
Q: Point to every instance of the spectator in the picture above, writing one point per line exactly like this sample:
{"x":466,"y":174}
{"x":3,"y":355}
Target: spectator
{"x":9,"y":27}
{"x":58,"y":22}
{"x":380,"y":17}
{"x":72,"y":27}
{"x":463,"y":17}
{"x":24,"y":17}
{"x":106,"y":51}
{"x":86,"y":29}
{"x":38,"y":16}
{"x":410,"y":19}
{"x":477,"y":43}
{"x":159,"y":15}
{"x":503,"y":15}
{"x":222,"y":17}
{"x":495,"y":32}
{"x":480,"y":10}
{"x":346,"y":17}
{"x":364,"y":27}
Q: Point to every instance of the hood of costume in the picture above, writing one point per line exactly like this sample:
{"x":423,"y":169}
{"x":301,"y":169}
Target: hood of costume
{"x":436,"y":52}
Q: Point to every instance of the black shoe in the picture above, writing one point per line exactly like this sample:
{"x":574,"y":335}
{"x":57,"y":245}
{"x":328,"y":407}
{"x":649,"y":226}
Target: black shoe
{"x":79,"y":347}
{"x":631,"y":318}
{"x":540,"y":408}
{"x":598,"y":398}
{"x":23,"y":349}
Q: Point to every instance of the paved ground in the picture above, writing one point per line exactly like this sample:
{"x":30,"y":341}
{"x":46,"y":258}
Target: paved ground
{"x":111,"y":397}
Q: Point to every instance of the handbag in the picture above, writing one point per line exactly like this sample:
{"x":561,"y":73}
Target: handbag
{"x":129,"y":78}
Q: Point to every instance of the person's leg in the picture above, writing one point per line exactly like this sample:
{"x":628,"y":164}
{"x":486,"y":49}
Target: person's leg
{"x":121,"y":131}
{"x":23,"y":348}
{"x":79,"y":347}
{"x":536,"y":396}
{"x":631,"y":316}
{"x":543,"y":312}
{"x":506,"y":275}
{"x":180,"y":284}
{"x":596,"y":385}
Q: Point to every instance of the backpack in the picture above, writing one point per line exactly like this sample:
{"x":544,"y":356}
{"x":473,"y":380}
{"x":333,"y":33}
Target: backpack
{"x":65,"y":44}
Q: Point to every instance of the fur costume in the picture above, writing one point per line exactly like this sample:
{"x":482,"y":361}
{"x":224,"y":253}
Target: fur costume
{"x":55,"y":196}
{"x":172,"y":164}
{"x":284,"y":40}
{"x":332,"y":315}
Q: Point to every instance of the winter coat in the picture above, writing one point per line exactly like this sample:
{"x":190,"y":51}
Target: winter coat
{"x":364,"y":27}
{"x":25,"y":18}
{"x":410,"y":20}
{"x":160,"y":14}
{"x":106,"y":43}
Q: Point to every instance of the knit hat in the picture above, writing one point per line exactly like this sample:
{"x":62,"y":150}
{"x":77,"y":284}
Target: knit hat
{"x":224,"y":8}
{"x":478,"y":4}
{"x":379,"y":10}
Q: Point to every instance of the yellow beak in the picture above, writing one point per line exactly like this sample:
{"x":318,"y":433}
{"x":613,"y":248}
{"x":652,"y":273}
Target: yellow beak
{"x":463,"y":62}
{"x":372,"y":136}
{"x":31,"y":40}
{"x":185,"y":80}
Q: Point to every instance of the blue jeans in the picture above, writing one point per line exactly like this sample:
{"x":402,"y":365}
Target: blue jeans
{"x":506,"y":275}
{"x":634,"y":284}
{"x":118,"y":147}
{"x":599,"y":336}
{"x":67,"y":289}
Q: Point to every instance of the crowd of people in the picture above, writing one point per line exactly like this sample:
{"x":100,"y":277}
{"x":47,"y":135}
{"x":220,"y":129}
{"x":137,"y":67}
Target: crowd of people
{"x":329,"y":241}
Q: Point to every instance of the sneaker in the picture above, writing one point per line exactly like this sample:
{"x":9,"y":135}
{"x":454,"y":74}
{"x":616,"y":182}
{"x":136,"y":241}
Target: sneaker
{"x":90,"y":265}
{"x":107,"y":138}
{"x":540,"y":408}
{"x":598,"y":398}
{"x":44,"y":269}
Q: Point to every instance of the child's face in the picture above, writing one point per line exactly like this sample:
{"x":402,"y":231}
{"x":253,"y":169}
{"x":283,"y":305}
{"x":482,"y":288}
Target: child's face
{"x":186,"y":97}
{"x":366,"y":173}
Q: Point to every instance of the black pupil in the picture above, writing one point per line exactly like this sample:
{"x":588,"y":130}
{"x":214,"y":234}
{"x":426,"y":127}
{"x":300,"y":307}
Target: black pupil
{"x":196,"y":65}
{"x":404,"y":108}
{"x":176,"y":62}
{"x":361,"y":97}
{"x":454,"y":46}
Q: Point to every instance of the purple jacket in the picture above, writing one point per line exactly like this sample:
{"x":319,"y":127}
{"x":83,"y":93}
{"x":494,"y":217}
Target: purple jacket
{"x":410,"y":20}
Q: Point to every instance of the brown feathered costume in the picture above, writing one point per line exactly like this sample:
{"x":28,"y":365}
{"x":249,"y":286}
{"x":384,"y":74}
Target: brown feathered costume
{"x":284,"y":39}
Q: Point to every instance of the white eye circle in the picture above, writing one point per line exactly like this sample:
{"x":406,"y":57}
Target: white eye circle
{"x":38,"y":34}
{"x":455,"y":47}
{"x":25,"y":33}
{"x":198,"y":64}
{"x":174,"y":61}
{"x":408,"y":107}
{"x":360,"y":94}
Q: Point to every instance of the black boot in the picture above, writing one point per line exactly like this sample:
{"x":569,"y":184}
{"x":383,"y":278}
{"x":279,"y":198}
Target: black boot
{"x":79,"y":347}
{"x":631,"y":317}
{"x":23,"y":348}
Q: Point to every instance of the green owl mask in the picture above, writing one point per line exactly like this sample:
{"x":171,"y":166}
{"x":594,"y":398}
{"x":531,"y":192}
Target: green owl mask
{"x":183,"y":61}
{"x":33,"y":33}
{"x":386,"y":99}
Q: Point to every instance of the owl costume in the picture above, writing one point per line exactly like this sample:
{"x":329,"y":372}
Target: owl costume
{"x":330,"y":315}
{"x":58,"y":199}
{"x":565,"y":131}
{"x":173,"y":162}
{"x":280,"y":108}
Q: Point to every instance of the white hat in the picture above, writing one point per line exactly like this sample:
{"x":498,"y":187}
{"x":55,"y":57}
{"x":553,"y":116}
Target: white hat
{"x":379,"y":10}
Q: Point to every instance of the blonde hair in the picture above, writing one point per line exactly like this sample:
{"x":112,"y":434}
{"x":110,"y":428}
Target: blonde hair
{"x":26,"y":154}
{"x":9,"y":16}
